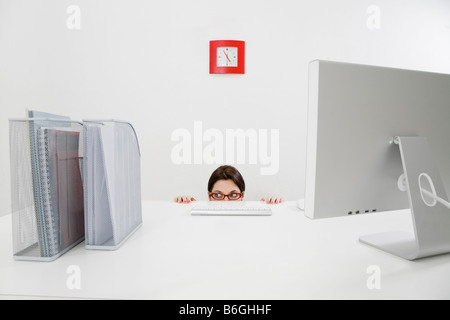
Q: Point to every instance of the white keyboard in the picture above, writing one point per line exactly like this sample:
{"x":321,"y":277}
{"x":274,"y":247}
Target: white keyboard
{"x":231,"y":208}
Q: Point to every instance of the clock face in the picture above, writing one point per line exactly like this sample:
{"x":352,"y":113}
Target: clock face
{"x":227,"y":56}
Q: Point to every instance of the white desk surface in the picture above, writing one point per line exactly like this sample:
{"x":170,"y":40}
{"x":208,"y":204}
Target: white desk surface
{"x":284,"y":256}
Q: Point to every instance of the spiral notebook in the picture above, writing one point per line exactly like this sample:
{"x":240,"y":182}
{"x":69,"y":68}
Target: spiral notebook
{"x":36,"y":157}
{"x":46,"y":183}
{"x":62,"y":189}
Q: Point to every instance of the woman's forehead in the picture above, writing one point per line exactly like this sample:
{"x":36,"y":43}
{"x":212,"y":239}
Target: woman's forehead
{"x":225,"y":185}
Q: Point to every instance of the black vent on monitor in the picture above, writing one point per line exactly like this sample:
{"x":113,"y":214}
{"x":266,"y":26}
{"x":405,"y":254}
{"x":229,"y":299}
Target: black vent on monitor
{"x":361,"y":211}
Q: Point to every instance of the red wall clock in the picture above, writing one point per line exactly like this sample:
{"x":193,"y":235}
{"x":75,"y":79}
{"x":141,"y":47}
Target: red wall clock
{"x":227,"y":56}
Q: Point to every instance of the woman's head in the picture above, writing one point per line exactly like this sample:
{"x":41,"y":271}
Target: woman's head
{"x":226,"y":183}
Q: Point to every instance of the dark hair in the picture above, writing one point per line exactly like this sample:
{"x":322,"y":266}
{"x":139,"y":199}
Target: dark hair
{"x":226,"y":173}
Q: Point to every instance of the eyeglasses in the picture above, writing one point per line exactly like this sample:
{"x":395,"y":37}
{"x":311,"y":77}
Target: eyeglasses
{"x":220,"y":196}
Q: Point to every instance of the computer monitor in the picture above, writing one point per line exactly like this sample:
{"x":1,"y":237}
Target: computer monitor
{"x":355,"y":166}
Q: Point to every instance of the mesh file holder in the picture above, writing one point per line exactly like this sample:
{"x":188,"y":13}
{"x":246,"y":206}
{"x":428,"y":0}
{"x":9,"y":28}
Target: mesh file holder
{"x":112,"y":183}
{"x":46,"y":187}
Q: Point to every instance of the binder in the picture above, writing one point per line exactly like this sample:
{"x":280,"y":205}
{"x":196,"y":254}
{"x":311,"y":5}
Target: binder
{"x":112,"y":183}
{"x":46,"y":187}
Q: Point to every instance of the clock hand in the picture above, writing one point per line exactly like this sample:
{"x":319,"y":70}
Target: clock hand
{"x":226,"y":56}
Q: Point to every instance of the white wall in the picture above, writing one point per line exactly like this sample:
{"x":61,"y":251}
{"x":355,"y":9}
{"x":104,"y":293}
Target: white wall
{"x":147,"y":62}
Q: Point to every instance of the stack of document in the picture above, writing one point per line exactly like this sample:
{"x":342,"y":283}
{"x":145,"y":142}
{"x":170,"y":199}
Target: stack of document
{"x":112,"y":183}
{"x":62,"y":188}
{"x":48,"y":146}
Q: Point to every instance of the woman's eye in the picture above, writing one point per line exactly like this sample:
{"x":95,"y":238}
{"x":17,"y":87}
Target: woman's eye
{"x":233,"y":195}
{"x":218,"y":195}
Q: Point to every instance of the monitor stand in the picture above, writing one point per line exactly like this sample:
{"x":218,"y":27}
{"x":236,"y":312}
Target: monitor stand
{"x":428,"y":202}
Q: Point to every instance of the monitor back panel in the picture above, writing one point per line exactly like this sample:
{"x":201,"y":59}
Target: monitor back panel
{"x":353,"y":112}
